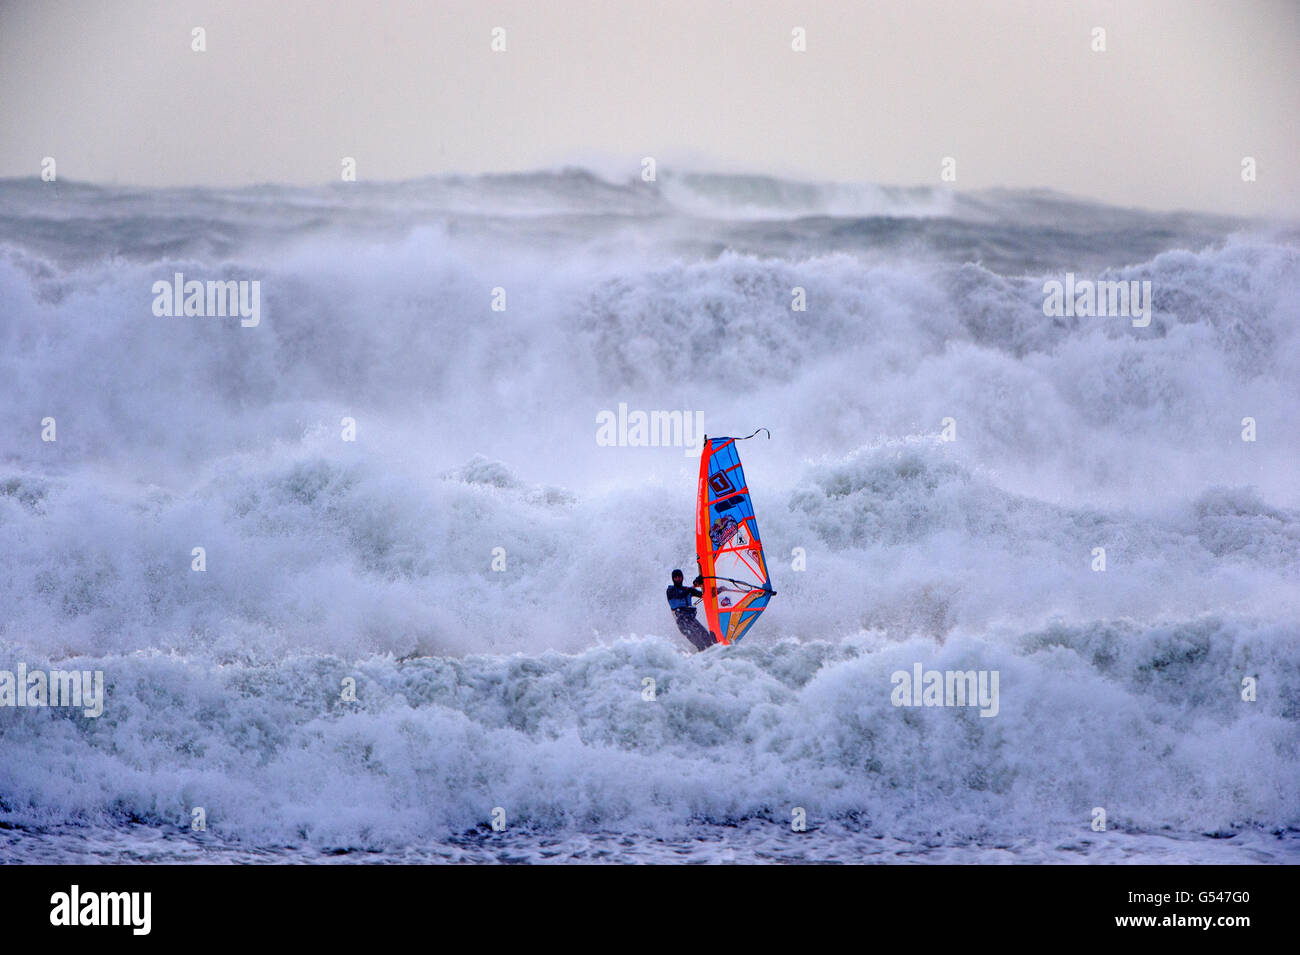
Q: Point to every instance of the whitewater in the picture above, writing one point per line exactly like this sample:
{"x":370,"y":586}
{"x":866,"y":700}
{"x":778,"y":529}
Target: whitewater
{"x":946,"y":461}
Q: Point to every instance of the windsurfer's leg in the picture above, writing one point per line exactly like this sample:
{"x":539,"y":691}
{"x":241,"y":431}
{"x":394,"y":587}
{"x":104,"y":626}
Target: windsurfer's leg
{"x":692,"y":631}
{"x":702,"y":638}
{"x":705,"y":638}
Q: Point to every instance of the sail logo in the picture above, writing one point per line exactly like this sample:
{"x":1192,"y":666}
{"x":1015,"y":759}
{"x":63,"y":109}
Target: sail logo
{"x":1088,"y":299}
{"x":79,"y":689}
{"x":75,"y":907}
{"x":211,"y":299}
{"x":722,"y":530}
{"x":946,"y":688}
{"x":650,"y":429}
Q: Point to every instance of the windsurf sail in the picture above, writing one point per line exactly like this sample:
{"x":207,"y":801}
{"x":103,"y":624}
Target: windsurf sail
{"x":737,"y":586}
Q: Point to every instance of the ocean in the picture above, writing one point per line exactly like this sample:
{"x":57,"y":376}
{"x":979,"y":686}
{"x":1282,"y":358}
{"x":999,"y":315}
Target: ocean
{"x":365,"y":584}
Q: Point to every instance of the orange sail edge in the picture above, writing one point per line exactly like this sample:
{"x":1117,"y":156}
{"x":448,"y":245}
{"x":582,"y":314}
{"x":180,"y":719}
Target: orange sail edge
{"x":703,"y":546}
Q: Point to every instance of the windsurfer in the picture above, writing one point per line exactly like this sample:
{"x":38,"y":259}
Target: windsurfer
{"x":679,"y":599}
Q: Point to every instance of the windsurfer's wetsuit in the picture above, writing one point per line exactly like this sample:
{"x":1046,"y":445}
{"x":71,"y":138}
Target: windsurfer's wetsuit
{"x":679,"y":599}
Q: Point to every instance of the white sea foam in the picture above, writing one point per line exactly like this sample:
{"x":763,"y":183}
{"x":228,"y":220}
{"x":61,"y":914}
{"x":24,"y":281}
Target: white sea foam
{"x":522,"y":688}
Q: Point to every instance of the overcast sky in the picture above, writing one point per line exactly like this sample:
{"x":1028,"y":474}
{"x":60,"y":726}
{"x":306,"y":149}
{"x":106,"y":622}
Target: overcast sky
{"x":885,"y":90}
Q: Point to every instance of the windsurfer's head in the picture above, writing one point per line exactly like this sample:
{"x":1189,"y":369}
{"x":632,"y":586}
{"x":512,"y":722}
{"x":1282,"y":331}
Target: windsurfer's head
{"x":677,"y":576}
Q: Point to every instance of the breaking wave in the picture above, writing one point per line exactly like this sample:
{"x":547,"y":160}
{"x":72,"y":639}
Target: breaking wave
{"x":475,"y":433}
